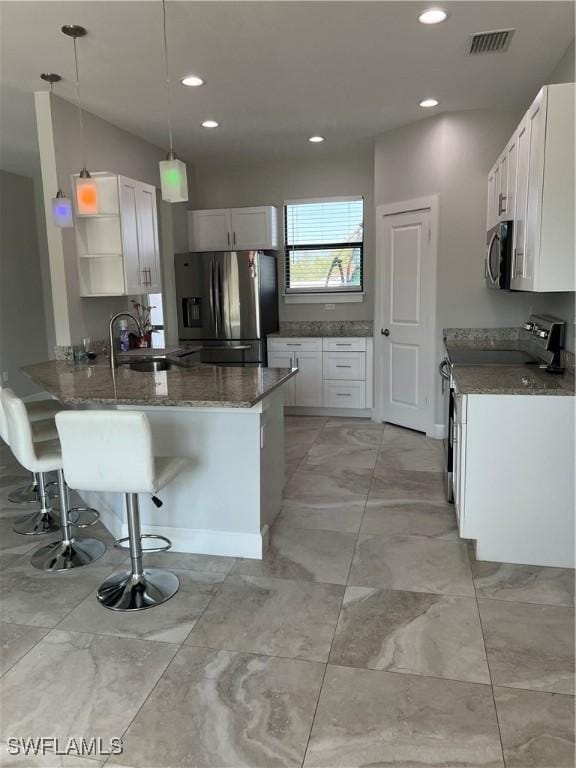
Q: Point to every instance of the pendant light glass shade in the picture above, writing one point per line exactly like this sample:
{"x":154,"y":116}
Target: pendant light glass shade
{"x":173,"y":181}
{"x":86,"y":196}
{"x":62,"y":211}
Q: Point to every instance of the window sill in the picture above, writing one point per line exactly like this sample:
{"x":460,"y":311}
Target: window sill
{"x":324,"y":298}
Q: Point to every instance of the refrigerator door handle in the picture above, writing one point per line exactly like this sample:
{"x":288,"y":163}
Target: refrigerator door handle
{"x":213,"y":299}
{"x":220,"y":302}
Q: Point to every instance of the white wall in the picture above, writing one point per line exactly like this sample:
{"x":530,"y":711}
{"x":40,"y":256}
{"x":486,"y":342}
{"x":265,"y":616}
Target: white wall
{"x":108,"y":149}
{"x":315,"y":173}
{"x":22,"y":320}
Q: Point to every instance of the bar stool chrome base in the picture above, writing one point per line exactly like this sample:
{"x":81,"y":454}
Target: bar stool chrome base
{"x":26,"y":495}
{"x":63,"y":556}
{"x":130,"y":592}
{"x":36,"y":524}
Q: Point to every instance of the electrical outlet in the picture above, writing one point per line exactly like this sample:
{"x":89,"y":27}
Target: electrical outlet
{"x":329,"y":306}
{"x":4,"y":377}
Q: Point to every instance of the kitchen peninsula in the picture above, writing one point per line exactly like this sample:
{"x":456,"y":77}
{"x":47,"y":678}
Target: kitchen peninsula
{"x":227,"y":421}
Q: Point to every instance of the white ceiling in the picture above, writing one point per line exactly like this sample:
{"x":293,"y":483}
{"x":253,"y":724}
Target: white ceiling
{"x":276,"y":72}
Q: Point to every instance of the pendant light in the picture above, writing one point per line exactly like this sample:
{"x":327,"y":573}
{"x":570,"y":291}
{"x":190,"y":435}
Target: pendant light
{"x":86,"y":189}
{"x":61,"y":205}
{"x":173,"y":180}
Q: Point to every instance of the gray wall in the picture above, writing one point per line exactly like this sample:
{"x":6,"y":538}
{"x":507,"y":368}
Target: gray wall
{"x":317,"y":173}
{"x":108,"y":149}
{"x":22,"y":320}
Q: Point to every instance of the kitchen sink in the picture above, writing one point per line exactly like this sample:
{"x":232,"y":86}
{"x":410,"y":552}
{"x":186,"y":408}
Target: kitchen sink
{"x":151,"y":366}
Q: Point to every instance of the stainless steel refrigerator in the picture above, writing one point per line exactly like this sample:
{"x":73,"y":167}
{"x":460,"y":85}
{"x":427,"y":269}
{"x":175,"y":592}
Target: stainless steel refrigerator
{"x":228,"y":302}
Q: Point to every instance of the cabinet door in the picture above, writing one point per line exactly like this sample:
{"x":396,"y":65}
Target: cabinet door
{"x":129,"y":223}
{"x":209,"y":230}
{"x":522,"y":140}
{"x":308,"y":380}
{"x":149,"y":252}
{"x":490,"y":201}
{"x":511,"y":161}
{"x":284,"y":360}
{"x":253,"y":228}
{"x":537,"y":121}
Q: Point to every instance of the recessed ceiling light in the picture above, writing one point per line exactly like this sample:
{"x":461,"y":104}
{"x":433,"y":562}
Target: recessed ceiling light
{"x":316,"y":139}
{"x":432,"y":16}
{"x":193,"y":81}
{"x":210,"y":124}
{"x":429,"y":103}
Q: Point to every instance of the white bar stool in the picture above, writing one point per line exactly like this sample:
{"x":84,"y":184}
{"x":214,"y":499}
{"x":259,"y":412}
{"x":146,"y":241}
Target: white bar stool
{"x":38,"y":410}
{"x":112,"y":451}
{"x":40,"y":457}
{"x":43,"y":520}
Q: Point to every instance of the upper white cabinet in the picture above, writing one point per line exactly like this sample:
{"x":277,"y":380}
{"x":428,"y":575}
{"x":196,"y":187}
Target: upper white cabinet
{"x":117,"y":247}
{"x":225,"y":229}
{"x":532,"y":184}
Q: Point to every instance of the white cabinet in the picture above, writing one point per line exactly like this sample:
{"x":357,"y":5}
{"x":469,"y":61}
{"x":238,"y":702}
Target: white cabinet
{"x":333,"y":372}
{"x":117,"y":248}
{"x":532,"y":184}
{"x":223,"y":229}
{"x":501,"y":502}
{"x":305,"y":389}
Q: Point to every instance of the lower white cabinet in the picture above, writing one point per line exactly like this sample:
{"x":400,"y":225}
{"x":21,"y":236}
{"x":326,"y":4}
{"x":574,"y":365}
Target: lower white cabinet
{"x":333,"y":372}
{"x":344,"y":394}
{"x":514,"y":477}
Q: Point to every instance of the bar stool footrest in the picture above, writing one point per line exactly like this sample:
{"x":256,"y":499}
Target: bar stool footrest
{"x":119,"y":542}
{"x":78,"y":511}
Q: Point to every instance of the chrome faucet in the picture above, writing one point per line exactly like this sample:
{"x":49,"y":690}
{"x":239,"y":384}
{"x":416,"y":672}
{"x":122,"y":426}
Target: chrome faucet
{"x":111,"y":334}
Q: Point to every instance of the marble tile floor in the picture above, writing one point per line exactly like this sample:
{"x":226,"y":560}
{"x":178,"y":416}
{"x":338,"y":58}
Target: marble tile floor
{"x":367,"y":636}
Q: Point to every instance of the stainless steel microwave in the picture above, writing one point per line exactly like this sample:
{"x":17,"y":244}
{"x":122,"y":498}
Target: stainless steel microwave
{"x":498,"y":267}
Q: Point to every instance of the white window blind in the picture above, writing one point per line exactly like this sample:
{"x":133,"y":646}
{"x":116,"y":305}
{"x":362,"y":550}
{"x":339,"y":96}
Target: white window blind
{"x":324,"y":245}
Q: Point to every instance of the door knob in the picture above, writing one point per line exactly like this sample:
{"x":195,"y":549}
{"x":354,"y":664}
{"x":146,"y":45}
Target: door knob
{"x":385,"y":332}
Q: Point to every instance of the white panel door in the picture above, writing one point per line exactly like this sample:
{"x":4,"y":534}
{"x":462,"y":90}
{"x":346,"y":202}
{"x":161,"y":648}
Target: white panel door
{"x":149,"y":255}
{"x":209,"y":230}
{"x":407,"y":336}
{"x":278,"y":359}
{"x":308,"y":380}
{"x":251,"y":228}
{"x":130,"y":245}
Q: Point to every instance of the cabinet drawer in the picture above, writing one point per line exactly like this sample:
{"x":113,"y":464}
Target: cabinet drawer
{"x":351,"y":344}
{"x":344,"y":365}
{"x":344,"y":394}
{"x":294,"y":345}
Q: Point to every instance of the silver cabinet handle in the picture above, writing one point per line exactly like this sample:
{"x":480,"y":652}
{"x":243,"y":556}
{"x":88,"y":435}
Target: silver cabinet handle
{"x":297,"y":362}
{"x":343,"y":394}
{"x":343,"y":366}
{"x":234,"y":238}
{"x":343,"y":344}
{"x":292,"y":344}
{"x":228,"y":237}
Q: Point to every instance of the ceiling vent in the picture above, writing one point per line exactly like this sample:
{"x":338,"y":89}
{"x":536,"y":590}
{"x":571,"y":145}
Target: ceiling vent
{"x":496,"y":41}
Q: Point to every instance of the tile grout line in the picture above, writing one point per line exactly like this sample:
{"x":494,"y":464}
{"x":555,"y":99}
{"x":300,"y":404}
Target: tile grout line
{"x":487,"y":658}
{"x":340,"y":610}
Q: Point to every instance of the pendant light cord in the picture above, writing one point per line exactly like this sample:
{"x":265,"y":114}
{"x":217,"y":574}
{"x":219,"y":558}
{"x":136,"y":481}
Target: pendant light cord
{"x":167,"y":73}
{"x":79,"y":105}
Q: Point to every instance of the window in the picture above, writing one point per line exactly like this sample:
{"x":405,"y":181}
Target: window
{"x":324,"y":245}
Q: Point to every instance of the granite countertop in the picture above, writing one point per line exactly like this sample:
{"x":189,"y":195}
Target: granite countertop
{"x":510,"y":380}
{"x":505,"y":379}
{"x":197,"y":385}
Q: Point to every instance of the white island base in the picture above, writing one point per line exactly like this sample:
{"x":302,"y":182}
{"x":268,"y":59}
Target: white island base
{"x":226,"y":500}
